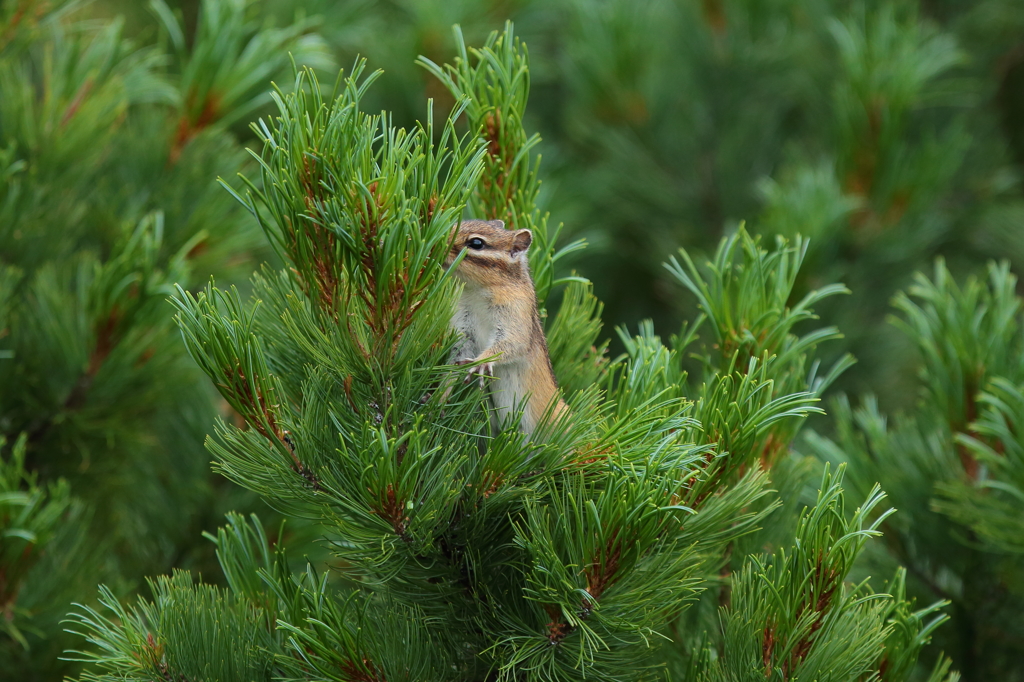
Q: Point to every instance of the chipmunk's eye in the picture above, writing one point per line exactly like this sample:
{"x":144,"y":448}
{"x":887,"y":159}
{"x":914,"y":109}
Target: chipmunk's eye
{"x":476,"y":243}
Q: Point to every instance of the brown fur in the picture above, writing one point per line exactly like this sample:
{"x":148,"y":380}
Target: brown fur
{"x":498,"y":317}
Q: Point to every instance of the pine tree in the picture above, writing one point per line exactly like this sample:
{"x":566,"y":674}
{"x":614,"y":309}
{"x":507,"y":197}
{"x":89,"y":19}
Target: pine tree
{"x":870,"y":128}
{"x":953,"y":464}
{"x":886,"y":132}
{"x":41,"y":531}
{"x":107,"y":154}
{"x":465,"y":552}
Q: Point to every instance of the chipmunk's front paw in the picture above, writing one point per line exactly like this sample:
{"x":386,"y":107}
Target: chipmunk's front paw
{"x":480,"y":371}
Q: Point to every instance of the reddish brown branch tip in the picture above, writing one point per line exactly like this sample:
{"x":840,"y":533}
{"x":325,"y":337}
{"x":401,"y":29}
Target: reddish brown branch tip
{"x":767,"y":647}
{"x":603,"y":570}
{"x":391,"y":508}
{"x":362,"y":671}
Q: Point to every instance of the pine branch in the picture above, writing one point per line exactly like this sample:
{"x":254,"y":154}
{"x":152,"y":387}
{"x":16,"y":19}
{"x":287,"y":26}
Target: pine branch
{"x":786,"y":609}
{"x":494,"y":81}
{"x":466,"y":550}
{"x":225,"y":68}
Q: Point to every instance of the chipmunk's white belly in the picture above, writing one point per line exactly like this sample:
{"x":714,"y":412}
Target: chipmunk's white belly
{"x":474,"y":320}
{"x":509,"y":392}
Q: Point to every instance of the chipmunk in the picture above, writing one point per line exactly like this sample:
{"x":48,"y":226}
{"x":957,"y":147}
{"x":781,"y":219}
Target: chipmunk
{"x":497,"y":316}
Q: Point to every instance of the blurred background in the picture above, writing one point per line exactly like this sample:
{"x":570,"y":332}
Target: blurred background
{"x":888,"y":132}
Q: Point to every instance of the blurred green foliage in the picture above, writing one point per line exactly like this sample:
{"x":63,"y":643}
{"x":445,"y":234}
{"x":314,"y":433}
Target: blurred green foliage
{"x":111,"y":140}
{"x":888,"y":133}
{"x":464,"y":551}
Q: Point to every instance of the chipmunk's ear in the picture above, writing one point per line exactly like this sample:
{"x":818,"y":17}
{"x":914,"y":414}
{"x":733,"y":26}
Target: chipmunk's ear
{"x":521,"y":242}
{"x":500,"y":224}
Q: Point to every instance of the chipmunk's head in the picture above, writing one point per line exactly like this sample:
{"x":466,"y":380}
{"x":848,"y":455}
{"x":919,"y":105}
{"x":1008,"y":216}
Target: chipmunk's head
{"x":494,"y":255}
